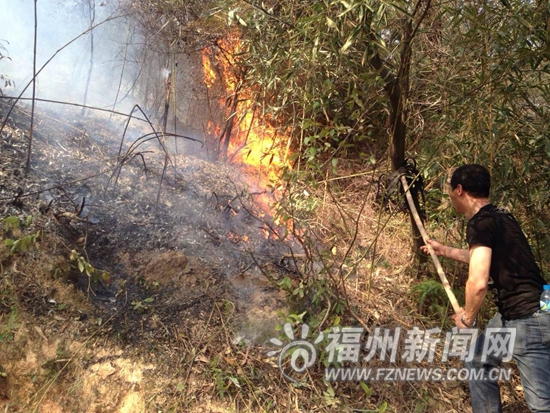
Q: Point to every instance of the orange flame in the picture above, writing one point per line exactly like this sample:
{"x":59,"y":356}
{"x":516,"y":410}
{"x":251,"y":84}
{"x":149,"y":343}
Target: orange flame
{"x":254,"y":142}
{"x":236,"y":238}
{"x":209,"y":74}
{"x":213,"y":129}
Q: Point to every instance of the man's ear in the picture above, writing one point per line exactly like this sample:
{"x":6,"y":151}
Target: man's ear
{"x":459,"y":189}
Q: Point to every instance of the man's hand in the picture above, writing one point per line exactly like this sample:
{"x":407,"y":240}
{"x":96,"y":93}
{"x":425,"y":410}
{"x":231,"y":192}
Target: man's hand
{"x":441,"y":250}
{"x":458,"y":318}
{"x":438,"y":248}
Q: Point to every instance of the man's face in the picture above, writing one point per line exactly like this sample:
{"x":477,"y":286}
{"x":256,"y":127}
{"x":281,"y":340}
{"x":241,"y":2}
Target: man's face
{"x":455,"y":196}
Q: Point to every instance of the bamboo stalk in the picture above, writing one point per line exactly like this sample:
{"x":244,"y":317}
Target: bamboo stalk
{"x":31,"y":131}
{"x":439,"y":268}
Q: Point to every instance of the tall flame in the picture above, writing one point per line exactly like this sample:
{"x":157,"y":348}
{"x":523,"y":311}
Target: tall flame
{"x":254,"y":142}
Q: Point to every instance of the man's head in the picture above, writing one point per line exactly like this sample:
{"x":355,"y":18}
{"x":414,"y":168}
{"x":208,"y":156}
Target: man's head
{"x":470,"y":186}
{"x":474,"y":179}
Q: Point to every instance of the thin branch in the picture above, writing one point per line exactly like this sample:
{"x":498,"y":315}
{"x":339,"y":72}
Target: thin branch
{"x":78,"y":105}
{"x":29,"y":148}
{"x":123,"y":67}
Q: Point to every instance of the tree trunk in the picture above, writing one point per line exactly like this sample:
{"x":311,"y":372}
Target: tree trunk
{"x":397,"y":90}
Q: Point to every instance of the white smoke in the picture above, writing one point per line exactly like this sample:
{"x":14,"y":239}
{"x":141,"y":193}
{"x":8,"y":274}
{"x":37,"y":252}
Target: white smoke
{"x":64,"y":78}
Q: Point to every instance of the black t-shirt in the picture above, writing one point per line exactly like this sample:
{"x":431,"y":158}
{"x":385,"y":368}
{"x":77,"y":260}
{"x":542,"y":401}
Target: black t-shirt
{"x":516,"y":281}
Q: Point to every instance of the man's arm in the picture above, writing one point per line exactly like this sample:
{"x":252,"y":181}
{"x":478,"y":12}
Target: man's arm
{"x":476,"y":286}
{"x":441,"y":250}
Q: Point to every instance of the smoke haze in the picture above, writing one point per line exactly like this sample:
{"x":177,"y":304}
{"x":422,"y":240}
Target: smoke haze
{"x":65,"y":77}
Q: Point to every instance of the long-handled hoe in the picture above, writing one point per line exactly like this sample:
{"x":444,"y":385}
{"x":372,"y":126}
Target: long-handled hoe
{"x":439,"y":268}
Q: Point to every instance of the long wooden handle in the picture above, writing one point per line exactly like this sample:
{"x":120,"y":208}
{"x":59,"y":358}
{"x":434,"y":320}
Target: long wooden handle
{"x":437,"y":264}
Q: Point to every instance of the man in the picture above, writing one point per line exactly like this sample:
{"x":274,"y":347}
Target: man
{"x":499,"y":255}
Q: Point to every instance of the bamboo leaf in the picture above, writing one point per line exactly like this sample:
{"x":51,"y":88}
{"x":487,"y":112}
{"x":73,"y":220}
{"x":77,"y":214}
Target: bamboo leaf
{"x":347,"y":45}
{"x":331,"y":23}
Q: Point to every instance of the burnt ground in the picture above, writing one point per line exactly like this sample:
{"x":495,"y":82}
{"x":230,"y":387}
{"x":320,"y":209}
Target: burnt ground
{"x":203,"y":230}
{"x":131,"y":301}
{"x":165,"y":274}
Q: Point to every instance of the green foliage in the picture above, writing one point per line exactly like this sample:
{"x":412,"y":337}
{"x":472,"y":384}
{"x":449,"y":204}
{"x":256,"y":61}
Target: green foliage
{"x":329,"y":396}
{"x":366,"y":389}
{"x":285,"y":284}
{"x":432,"y":298}
{"x":9,"y":326}
{"x":294,"y":319}
{"x":479,"y":89}
{"x":20,"y":242}
{"x":11,"y":223}
{"x":85,"y":267}
{"x":141,"y":306}
{"x":341,"y":108}
{"x":224,"y":380}
{"x":493,"y":78}
{"x":82,"y":263}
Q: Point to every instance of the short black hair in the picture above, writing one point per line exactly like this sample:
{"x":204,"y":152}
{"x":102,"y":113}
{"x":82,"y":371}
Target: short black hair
{"x":474,"y":178}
